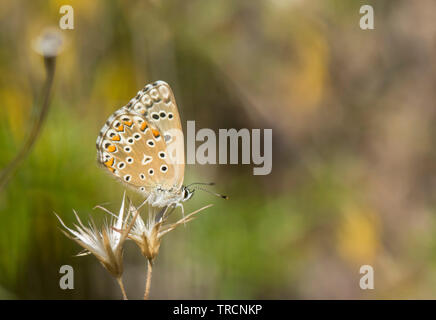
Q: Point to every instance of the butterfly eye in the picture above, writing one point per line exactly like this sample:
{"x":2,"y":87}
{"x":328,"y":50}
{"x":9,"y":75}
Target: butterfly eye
{"x":186,"y":194}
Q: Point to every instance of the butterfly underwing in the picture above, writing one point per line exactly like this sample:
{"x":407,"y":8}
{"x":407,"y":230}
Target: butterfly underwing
{"x":142,"y":145}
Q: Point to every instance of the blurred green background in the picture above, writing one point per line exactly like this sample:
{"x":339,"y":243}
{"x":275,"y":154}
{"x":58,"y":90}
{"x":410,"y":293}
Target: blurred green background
{"x":354,"y":167}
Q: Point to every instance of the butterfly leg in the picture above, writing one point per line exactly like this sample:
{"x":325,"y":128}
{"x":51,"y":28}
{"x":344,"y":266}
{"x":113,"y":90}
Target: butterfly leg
{"x":162,"y":213}
{"x":144,"y":202}
{"x":181,"y":206}
{"x":183,"y":211}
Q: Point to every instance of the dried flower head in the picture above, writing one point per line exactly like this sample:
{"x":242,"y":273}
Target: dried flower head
{"x":105,"y":244}
{"x":148,"y":235}
{"x":49,"y":43}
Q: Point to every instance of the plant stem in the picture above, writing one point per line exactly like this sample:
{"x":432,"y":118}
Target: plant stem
{"x":7,"y":172}
{"x":120,"y":282}
{"x":148,"y":281}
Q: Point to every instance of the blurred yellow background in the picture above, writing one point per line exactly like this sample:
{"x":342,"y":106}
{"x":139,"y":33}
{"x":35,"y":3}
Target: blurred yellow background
{"x":352,"y":114}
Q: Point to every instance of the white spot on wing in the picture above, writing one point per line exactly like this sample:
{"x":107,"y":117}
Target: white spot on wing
{"x":146,"y":159}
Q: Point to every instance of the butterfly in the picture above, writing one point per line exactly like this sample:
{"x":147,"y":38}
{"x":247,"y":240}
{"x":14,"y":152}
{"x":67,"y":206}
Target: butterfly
{"x":142,"y":145}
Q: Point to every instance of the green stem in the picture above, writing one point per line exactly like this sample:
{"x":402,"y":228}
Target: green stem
{"x":8,"y":171}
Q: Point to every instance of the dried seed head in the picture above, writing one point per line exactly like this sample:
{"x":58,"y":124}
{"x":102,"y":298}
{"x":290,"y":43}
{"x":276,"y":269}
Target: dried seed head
{"x":49,"y":43}
{"x":148,"y":236}
{"x":105,"y":244}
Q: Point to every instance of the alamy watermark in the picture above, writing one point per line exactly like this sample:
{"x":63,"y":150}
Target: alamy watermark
{"x":67,"y":280}
{"x":226,"y":149}
{"x":367,"y":20}
{"x":67,"y":20}
{"x":367,"y":280}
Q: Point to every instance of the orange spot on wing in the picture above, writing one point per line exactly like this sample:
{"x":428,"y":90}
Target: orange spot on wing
{"x":111,"y":148}
{"x":128,"y":123}
{"x":116,"y":138}
{"x":109,"y":163}
{"x":144,"y":126}
{"x":156,"y":133}
{"x":120,"y":128}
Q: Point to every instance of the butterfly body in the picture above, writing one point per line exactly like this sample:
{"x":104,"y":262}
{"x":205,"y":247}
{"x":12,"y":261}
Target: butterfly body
{"x":161,"y":197}
{"x":142,"y":145}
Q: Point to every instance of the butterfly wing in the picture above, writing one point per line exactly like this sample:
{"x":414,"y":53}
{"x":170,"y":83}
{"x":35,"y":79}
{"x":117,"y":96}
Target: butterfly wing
{"x":157,"y":104}
{"x":134,"y":151}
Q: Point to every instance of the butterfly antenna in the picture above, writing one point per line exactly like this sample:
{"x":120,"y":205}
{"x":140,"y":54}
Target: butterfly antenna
{"x":214,"y":193}
{"x":202,"y":183}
